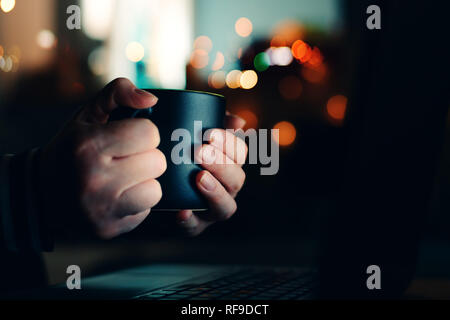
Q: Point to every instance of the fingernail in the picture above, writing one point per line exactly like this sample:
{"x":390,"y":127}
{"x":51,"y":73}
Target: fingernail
{"x":145,"y":93}
{"x":208,"y":154}
{"x":208,"y":182}
{"x":243,"y":121}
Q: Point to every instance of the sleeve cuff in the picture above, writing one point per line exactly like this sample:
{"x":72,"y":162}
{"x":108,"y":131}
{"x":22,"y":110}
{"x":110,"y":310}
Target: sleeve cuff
{"x":23,"y":220}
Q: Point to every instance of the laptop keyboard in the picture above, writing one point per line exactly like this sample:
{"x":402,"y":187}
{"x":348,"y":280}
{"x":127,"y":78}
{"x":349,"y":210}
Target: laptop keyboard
{"x":243,"y":285}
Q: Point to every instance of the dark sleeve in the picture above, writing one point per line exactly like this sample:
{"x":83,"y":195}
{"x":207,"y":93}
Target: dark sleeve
{"x":22,"y":223}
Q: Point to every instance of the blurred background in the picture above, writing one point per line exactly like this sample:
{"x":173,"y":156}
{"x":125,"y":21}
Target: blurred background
{"x":280,"y":64}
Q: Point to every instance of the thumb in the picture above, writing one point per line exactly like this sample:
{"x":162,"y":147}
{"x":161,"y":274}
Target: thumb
{"x":119,"y":92}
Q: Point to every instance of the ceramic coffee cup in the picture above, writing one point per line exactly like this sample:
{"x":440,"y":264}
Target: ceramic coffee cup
{"x":182,"y":117}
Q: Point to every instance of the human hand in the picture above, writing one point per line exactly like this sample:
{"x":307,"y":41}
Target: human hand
{"x":103,"y":174}
{"x":221,"y":180}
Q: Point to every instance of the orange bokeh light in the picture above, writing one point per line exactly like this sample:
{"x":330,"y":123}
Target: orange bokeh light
{"x":315,"y":75}
{"x":239,"y":53}
{"x":216,"y":80}
{"x":251,"y":120}
{"x":278,"y":41}
{"x":243,"y":27}
{"x":219,"y":62}
{"x":299,"y":49}
{"x":289,"y":31}
{"x":199,"y":59}
{"x":316,"y":58}
{"x":233,"y":79}
{"x":203,"y":43}
{"x":286,"y":134}
{"x":336,"y":107}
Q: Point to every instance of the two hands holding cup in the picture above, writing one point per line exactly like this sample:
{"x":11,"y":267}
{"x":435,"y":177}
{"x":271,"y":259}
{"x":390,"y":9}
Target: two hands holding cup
{"x":91,"y":175}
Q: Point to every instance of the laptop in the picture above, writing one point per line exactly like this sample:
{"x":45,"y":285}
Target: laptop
{"x":396,"y":122}
{"x":190,"y":282}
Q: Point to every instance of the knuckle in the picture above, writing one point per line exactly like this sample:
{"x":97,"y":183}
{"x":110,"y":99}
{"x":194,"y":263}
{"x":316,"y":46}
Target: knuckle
{"x":229,"y":212}
{"x":232,"y":210}
{"x":118,"y":82}
{"x":84,"y":145}
{"x":154,"y":133}
{"x":149,"y":129}
{"x":161,"y":165}
{"x":237,"y":183}
{"x":145,"y":129}
{"x":154,"y":188}
{"x":86,"y":150}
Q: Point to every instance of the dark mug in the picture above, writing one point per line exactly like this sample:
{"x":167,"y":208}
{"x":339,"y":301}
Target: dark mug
{"x":182,"y":110}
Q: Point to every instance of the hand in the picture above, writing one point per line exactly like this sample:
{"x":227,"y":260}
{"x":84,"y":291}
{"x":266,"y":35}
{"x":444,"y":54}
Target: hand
{"x":103,"y":175}
{"x":223,"y":178}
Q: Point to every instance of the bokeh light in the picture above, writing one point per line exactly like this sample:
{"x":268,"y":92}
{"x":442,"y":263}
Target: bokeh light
{"x":316,"y":59}
{"x":280,"y":56}
{"x":290,"y":88}
{"x":251,"y":120}
{"x":315,"y":75}
{"x":288,"y":31}
{"x":239,"y":53}
{"x":278,"y":41}
{"x":7,"y":5}
{"x":7,"y":65}
{"x":199,"y":59}
{"x":46,"y":39}
{"x":96,"y":61}
{"x":15,"y":63}
{"x":243,"y":27}
{"x":301,"y":51}
{"x":219,"y":62}
{"x":203,"y":43}
{"x":249,"y":79}
{"x":261,"y":61}
{"x":97,"y":18}
{"x":233,"y":79}
{"x":216,"y":79}
{"x":2,"y":63}
{"x":135,"y":51}
{"x":286,"y":133}
{"x":2,"y":51}
{"x":336,"y":107}
{"x":15,"y":51}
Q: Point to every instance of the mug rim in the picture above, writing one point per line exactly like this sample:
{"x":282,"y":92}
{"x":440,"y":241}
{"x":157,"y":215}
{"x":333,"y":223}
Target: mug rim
{"x":188,"y":91}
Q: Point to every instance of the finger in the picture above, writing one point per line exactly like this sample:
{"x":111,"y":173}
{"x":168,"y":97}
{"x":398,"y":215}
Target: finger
{"x":119,"y":92}
{"x":127,"y":137}
{"x":138,"y":168}
{"x":138,"y":198}
{"x":235,"y":148}
{"x":190,"y":223}
{"x":233,"y":121}
{"x":226,"y":171}
{"x":222,"y":205}
{"x":123,"y":225}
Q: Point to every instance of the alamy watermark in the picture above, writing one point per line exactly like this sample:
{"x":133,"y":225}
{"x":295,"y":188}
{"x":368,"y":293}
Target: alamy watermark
{"x":374,"y":20}
{"x":374,"y":280}
{"x":262,"y":147}
{"x":74,"y":279}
